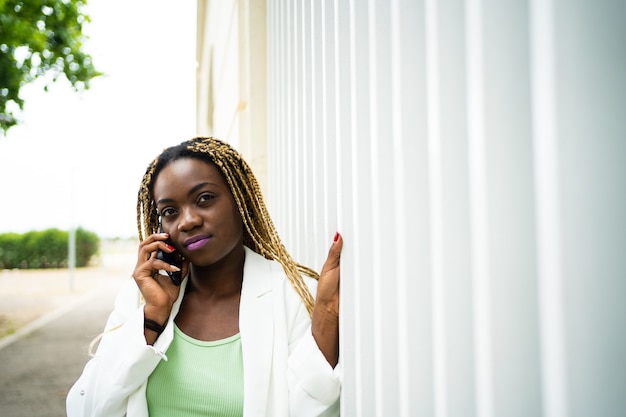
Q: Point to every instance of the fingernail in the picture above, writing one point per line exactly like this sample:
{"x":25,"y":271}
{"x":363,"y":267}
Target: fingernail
{"x":170,"y":247}
{"x":175,"y":268}
{"x":336,"y":236}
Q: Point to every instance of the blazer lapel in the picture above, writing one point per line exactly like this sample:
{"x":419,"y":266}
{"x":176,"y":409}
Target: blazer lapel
{"x":256,"y":325}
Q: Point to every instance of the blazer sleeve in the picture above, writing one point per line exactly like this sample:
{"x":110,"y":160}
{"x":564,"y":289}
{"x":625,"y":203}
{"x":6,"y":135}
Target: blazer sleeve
{"x":121,"y":365}
{"x":314,"y":386}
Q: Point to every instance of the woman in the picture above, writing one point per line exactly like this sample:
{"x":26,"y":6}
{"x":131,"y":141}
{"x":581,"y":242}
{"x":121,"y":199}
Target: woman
{"x":242,"y":334}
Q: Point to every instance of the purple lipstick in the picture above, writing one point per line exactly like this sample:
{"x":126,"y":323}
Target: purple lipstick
{"x":196,"y":242}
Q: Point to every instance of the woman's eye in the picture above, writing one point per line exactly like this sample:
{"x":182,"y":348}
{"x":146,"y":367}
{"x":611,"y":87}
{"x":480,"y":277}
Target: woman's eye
{"x":203,"y":198}
{"x":167,"y":212}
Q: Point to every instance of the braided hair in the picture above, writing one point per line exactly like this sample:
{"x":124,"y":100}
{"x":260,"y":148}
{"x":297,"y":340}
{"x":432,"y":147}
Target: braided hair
{"x":260,"y":235}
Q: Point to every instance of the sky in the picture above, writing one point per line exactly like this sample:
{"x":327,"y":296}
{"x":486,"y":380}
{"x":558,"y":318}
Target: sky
{"x":77,"y":160}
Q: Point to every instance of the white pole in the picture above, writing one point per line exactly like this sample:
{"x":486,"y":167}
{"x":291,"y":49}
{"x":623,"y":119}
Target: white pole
{"x":550,"y":272}
{"x":71,"y":261}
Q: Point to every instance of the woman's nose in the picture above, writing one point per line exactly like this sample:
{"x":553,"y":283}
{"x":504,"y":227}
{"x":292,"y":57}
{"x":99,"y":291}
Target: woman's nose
{"x":188,"y":220}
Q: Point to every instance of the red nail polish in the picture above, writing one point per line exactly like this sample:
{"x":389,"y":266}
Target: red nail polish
{"x":336,"y":236}
{"x":170,"y":247}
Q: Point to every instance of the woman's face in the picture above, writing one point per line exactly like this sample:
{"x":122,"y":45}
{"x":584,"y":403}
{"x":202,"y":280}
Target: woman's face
{"x":198,"y":210}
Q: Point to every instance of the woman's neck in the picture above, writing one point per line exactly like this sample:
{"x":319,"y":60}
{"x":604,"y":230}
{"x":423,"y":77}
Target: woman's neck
{"x":221,"y":279}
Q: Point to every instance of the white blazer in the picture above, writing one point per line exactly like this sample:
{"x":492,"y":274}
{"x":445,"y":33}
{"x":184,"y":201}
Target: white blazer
{"x":285,"y":373}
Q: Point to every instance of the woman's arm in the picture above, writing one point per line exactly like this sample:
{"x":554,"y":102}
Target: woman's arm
{"x":314,"y":373}
{"x":103,"y":386}
{"x":128,"y":352}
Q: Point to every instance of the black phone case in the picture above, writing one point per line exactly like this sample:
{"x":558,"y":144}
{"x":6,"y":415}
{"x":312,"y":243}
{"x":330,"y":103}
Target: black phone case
{"x":173,"y":258}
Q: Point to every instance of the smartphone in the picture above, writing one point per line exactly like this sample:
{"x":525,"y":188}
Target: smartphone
{"x":173,"y":258}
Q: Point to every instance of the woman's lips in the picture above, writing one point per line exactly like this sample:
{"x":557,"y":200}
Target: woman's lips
{"x":197,"y":242}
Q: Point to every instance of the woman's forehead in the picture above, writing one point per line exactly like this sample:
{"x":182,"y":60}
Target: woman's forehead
{"x":184,"y":173}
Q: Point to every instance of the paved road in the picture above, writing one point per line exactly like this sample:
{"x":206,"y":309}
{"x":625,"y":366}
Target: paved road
{"x":37,"y":370}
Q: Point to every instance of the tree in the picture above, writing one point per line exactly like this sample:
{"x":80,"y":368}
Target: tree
{"x":40,"y":38}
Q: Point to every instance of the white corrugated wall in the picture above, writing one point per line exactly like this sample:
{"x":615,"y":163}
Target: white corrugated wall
{"x":473,"y":154}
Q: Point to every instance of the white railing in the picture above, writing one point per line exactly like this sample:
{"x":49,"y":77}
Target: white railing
{"x":473,"y":154}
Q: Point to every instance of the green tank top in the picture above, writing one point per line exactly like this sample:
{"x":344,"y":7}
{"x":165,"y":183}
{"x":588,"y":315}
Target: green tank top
{"x":199,"y":379}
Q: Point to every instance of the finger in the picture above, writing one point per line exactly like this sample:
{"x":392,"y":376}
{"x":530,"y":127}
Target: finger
{"x":156,"y":237}
{"x":160,"y":265}
{"x":155,"y":242}
{"x":148,"y":248}
{"x":334,"y":254}
{"x":148,"y":263}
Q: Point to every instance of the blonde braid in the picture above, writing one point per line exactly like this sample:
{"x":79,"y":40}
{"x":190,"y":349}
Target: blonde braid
{"x":260,"y":235}
{"x":147,"y":218}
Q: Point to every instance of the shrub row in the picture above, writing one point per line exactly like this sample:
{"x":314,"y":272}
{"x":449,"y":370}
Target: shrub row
{"x":46,"y":249}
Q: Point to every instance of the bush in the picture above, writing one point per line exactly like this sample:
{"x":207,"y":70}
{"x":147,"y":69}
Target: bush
{"x":87,"y":246}
{"x":9,"y":250}
{"x":46,"y":249}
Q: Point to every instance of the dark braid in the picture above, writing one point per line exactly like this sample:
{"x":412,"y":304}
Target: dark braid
{"x":260,"y":235}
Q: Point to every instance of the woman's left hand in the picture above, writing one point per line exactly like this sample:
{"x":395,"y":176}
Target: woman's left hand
{"x":325,"y":321}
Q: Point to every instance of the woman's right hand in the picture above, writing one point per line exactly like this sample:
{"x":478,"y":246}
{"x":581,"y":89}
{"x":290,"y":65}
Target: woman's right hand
{"x":158,"y":290}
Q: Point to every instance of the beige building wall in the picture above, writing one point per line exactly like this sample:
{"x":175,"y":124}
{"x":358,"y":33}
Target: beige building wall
{"x":231,"y":77}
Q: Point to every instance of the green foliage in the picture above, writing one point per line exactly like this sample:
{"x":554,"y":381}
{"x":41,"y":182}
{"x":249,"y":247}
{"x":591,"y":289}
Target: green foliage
{"x":37,"y":38}
{"x":87,"y":245}
{"x":10,"y":250}
{"x":46,"y":249}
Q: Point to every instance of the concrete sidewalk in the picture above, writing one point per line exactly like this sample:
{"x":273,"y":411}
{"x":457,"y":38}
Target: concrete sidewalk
{"x":51,"y":326}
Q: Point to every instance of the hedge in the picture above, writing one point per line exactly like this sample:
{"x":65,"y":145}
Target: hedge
{"x":46,"y":249}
